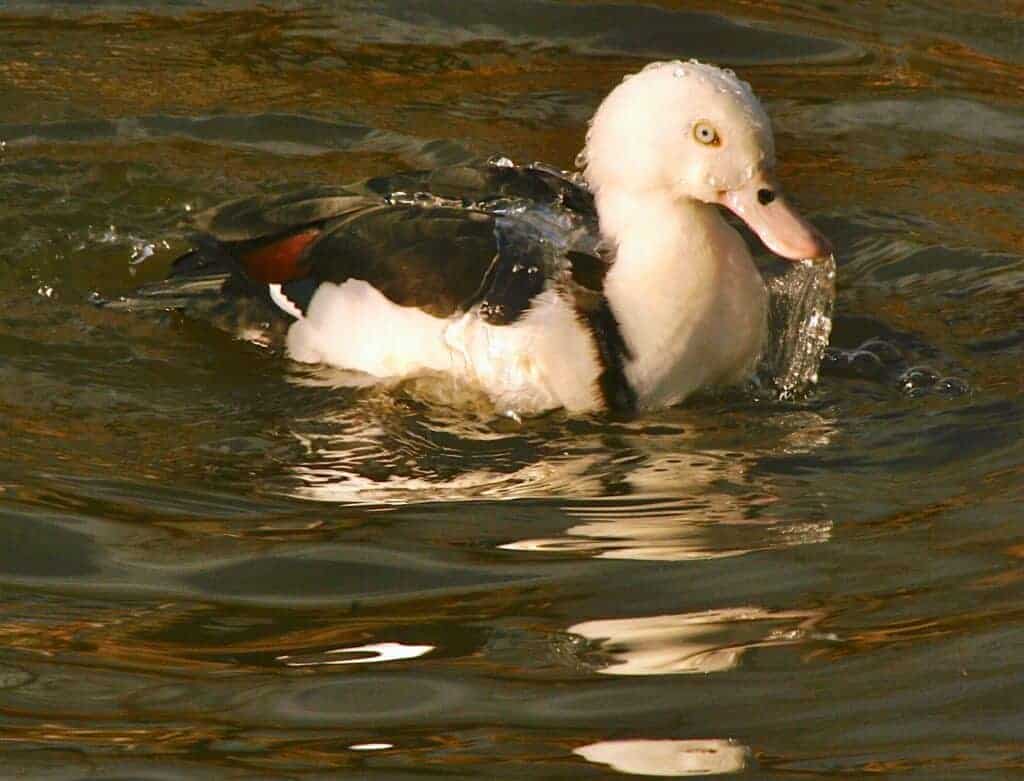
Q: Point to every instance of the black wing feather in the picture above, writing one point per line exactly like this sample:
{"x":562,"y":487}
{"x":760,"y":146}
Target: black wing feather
{"x":442,"y":259}
{"x":434,"y":259}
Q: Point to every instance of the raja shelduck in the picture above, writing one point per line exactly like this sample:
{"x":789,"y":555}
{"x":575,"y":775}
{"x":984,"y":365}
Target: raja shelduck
{"x":623,"y":288}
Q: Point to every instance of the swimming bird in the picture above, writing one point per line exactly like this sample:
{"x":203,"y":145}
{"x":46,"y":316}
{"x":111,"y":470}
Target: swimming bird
{"x":618,"y":288}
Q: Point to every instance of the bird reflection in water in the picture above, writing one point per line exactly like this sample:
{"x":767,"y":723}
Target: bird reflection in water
{"x":705,"y":642}
{"x":668,"y":758}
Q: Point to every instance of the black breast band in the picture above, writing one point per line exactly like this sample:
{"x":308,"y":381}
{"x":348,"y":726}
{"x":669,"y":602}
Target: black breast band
{"x":612,"y":351}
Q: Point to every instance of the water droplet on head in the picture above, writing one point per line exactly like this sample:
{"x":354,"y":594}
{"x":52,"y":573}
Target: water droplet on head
{"x":581,"y":159}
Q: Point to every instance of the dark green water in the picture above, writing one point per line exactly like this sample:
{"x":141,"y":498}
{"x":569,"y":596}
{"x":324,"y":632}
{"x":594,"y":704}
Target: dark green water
{"x":197,"y":537}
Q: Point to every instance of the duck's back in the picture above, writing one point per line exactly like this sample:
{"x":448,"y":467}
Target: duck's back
{"x":489,"y":272}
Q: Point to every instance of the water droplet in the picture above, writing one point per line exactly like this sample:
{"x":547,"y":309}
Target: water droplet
{"x":918,"y":379}
{"x":679,"y":72}
{"x":500,"y":161}
{"x":801,"y":307}
{"x":866,"y":364}
{"x":885,"y":351}
{"x":952,"y":386}
{"x":581,"y":159}
{"x":140,"y":251}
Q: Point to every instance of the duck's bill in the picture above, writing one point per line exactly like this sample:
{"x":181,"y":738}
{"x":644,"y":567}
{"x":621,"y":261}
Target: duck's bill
{"x":781,"y":227}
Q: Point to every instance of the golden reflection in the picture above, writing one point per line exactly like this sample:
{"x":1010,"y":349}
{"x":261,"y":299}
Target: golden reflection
{"x":672,"y":539}
{"x":185,"y":639}
{"x":702,"y":506}
{"x":672,"y":499}
{"x":706,"y":642}
{"x":361,"y":654}
{"x":154,"y":740}
{"x":668,"y":758}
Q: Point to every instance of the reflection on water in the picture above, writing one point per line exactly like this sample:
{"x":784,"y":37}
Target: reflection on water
{"x":361,"y":654}
{"x":702,"y":526}
{"x":216,"y":564}
{"x":668,"y":505}
{"x":668,"y":757}
{"x":674,"y":537}
{"x":706,"y":642}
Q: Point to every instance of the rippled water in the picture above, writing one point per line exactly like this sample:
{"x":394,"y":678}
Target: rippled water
{"x":218,"y":564}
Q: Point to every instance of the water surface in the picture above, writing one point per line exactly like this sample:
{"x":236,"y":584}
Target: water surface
{"x":215,"y":563}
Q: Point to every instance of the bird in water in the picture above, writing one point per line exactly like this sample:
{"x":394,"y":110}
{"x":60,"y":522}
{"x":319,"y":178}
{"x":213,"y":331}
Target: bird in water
{"x":623,"y":288}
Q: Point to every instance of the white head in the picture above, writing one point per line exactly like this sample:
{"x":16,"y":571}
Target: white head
{"x":690,"y":131}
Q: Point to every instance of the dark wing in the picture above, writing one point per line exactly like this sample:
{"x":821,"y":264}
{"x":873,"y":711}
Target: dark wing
{"x":264,"y":217}
{"x":485,"y":184}
{"x":481,"y":186}
{"x":440,"y":260}
{"x":438,"y":240}
{"x":435,"y":259}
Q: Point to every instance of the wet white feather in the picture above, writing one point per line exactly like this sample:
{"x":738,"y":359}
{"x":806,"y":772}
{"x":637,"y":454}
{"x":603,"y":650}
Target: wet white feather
{"x":353,"y":326}
{"x":278,"y":297}
{"x":544,"y":360}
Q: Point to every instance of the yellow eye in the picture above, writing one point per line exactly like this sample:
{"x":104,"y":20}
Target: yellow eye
{"x":705,"y":133}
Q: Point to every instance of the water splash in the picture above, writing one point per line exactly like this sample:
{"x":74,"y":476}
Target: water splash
{"x":800,"y":322}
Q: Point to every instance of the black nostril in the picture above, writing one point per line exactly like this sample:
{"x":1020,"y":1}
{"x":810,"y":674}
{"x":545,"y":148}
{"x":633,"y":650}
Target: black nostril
{"x":765,"y":197}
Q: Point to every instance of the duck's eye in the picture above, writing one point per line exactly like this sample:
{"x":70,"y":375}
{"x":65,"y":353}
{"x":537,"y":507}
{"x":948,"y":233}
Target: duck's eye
{"x":705,"y":133}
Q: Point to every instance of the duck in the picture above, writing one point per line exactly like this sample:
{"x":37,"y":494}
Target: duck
{"x":621,"y":287}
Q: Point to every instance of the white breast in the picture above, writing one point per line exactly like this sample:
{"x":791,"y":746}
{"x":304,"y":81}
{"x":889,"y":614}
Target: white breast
{"x":688,"y":298}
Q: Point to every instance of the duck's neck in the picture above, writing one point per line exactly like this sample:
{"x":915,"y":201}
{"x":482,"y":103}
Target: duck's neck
{"x":684,"y":290}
